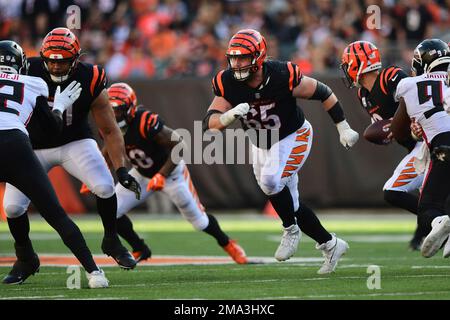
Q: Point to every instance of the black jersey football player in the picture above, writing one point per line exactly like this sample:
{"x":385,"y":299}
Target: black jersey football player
{"x":361,"y":65}
{"x":149,"y":143}
{"x":262,"y":94}
{"x":75,"y":148}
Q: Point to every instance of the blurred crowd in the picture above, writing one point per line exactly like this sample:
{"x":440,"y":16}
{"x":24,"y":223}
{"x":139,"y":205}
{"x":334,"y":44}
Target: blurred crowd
{"x":163,"y":39}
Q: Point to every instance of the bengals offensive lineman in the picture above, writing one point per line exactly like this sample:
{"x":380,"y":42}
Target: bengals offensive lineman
{"x":262,"y":94}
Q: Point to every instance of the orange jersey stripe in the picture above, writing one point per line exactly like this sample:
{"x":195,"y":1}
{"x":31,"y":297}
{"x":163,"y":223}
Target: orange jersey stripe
{"x":382,"y":83}
{"x":219,"y":83}
{"x":299,"y":149}
{"x":94,"y":79}
{"x":291,"y":75}
{"x":142,"y":124}
{"x":399,"y":183}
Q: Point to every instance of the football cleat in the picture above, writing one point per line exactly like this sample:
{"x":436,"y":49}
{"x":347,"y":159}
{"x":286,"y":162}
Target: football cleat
{"x":440,"y":229}
{"x":143,"y":254}
{"x":332,"y":251}
{"x":236,"y":252}
{"x":113,"y":248}
{"x":22,"y":269}
{"x":415,"y":243}
{"x":97,"y":279}
{"x":289,"y":243}
{"x":446,"y":252}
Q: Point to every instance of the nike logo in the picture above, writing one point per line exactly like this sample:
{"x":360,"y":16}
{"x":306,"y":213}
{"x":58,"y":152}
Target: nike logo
{"x":393,"y":79}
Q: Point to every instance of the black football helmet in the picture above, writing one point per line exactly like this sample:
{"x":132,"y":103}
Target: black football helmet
{"x":12,"y":58}
{"x":429,"y":54}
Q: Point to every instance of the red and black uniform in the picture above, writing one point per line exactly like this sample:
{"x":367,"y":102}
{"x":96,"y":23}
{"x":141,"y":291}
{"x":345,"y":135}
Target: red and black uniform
{"x":75,"y":119}
{"x":380,"y":102}
{"x":145,"y":154}
{"x":272,"y":104}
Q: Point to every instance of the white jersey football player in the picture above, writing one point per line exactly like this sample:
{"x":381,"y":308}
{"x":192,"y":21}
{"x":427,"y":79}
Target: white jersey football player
{"x":422,"y":100}
{"x":20,"y":96}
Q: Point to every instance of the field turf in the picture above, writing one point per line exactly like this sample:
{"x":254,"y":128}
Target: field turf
{"x":374,"y":240}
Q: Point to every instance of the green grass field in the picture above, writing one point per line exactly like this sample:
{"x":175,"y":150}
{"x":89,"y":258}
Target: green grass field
{"x":380,"y":241}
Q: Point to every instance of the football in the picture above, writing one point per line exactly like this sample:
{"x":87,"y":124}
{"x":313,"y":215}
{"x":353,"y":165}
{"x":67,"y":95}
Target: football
{"x":378,"y":133}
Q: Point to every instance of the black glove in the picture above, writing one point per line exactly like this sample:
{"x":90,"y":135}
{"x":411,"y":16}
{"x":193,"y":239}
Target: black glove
{"x":128,"y":181}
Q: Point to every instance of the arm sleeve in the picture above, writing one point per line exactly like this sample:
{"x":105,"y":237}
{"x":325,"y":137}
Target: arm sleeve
{"x":50,"y":121}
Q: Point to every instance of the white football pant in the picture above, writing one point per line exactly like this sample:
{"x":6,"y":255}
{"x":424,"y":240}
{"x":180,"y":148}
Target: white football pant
{"x":278,"y":166}
{"x":178,"y":187}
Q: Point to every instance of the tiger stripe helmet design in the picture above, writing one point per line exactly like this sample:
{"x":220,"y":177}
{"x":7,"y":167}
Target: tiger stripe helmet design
{"x":60,"y":44}
{"x":247,"y":43}
{"x":123,"y":101}
{"x":359,"y":57}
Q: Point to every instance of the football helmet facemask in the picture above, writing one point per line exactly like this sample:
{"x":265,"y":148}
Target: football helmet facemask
{"x":359,"y":57}
{"x":247,"y":43}
{"x":60,"y":44}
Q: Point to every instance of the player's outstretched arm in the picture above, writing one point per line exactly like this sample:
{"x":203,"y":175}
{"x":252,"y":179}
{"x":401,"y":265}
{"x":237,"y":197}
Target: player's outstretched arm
{"x":221,"y":114}
{"x":313,"y":89}
{"x":105,"y":120}
{"x":400,"y":125}
{"x":168,"y":139}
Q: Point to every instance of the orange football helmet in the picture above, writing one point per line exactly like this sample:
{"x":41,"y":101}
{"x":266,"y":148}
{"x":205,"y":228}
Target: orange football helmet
{"x":359,"y":57}
{"x":61,"y":44}
{"x":247,"y":43}
{"x":123,"y":101}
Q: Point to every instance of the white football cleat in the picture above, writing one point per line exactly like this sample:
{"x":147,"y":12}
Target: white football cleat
{"x":440,"y":229}
{"x":332,"y":251}
{"x":97,"y":279}
{"x":289,"y":243}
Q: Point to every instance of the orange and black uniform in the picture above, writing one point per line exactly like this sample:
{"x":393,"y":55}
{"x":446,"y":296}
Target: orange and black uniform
{"x":272,"y":104}
{"x":380,"y":102}
{"x":75,"y":120}
{"x":145,"y":154}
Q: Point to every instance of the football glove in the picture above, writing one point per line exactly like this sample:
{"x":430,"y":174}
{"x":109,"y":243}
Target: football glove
{"x":128,"y":181}
{"x":156,"y":183}
{"x":65,"y":99}
{"x":84,"y":189}
{"x":231,"y":115}
{"x":347,"y":135}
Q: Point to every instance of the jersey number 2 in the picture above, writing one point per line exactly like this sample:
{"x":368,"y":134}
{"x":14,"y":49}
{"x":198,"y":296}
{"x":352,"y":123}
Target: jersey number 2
{"x":430,"y":90}
{"x":16,"y":95}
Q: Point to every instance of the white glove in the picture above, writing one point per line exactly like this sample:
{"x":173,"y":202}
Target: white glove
{"x":347,"y":135}
{"x":231,"y":115}
{"x":65,"y":99}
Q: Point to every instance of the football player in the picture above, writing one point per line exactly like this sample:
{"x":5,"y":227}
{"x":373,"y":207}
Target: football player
{"x":148,"y":143}
{"x":262,"y":94}
{"x":20,"y":95}
{"x":422,"y":100}
{"x":75,"y":148}
{"x":361,"y":65}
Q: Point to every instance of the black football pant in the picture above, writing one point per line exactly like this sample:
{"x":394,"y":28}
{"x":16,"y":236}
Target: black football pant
{"x":435,"y":196}
{"x":20,"y":167}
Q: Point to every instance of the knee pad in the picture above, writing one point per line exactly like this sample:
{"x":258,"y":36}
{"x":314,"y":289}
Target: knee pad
{"x":201,"y":223}
{"x":103,"y":191}
{"x":270,"y":185}
{"x":13,"y":211}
